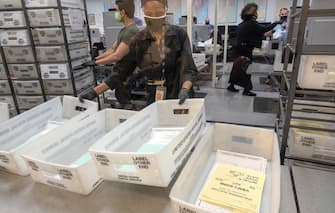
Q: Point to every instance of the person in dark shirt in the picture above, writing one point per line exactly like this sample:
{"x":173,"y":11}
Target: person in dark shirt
{"x":163,"y":55}
{"x":249,"y":35}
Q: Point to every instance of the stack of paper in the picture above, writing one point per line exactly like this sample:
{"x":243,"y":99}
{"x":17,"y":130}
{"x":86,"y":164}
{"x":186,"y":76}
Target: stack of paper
{"x":232,"y":187}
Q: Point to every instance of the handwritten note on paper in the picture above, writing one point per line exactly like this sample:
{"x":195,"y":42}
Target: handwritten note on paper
{"x":234,"y":188}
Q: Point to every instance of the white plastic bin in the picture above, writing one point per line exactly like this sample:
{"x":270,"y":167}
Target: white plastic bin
{"x":9,"y":19}
{"x":4,"y":112}
{"x":314,"y":110}
{"x":313,"y":145}
{"x":317,"y":72}
{"x":129,"y":153}
{"x":61,"y":159}
{"x":14,"y":38}
{"x":10,"y":4}
{"x":232,"y":138}
{"x":18,"y":133}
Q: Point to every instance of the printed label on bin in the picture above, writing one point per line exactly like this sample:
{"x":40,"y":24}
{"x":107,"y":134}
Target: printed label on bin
{"x":66,"y":174}
{"x":141,"y":162}
{"x":4,"y":159}
{"x":129,"y":178}
{"x":102,"y":159}
{"x":186,"y":210}
{"x":33,"y":166}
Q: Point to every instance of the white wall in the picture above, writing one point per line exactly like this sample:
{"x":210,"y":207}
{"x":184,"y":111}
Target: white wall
{"x":97,"y":7}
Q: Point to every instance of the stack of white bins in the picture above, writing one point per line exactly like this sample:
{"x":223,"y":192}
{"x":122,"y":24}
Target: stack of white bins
{"x":20,"y":132}
{"x":61,"y":159}
{"x":19,"y":57}
{"x":56,"y":70}
{"x":309,"y":144}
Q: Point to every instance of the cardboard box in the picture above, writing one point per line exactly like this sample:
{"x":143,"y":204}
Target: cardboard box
{"x":4,"y":112}
{"x":10,"y":19}
{"x":53,"y":3}
{"x":32,"y":87}
{"x":5,"y":88}
{"x":55,"y":35}
{"x":3,"y":74}
{"x":14,"y":38}
{"x":317,"y":72}
{"x":58,"y":53}
{"x":19,"y":54}
{"x":9,"y":100}
{"x":232,"y":138}
{"x":21,"y":131}
{"x":23,"y":71}
{"x":124,"y":155}
{"x":10,"y":4}
{"x":61,"y":159}
{"x":28,"y":102}
{"x":51,"y":17}
{"x":314,"y":145}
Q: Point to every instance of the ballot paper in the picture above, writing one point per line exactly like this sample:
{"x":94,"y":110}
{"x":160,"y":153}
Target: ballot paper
{"x":234,"y":185}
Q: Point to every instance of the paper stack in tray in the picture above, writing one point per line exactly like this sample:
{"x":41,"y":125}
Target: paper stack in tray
{"x":235,"y":184}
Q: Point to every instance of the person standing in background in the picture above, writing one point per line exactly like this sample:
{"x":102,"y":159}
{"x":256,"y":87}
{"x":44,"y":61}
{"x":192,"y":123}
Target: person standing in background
{"x":163,"y":54}
{"x":249,"y":36}
{"x":210,"y":27}
{"x":125,"y":14}
{"x":116,"y":54}
{"x":279,"y":32}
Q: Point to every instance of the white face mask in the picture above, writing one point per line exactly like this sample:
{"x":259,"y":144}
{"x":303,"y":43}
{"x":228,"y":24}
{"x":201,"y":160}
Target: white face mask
{"x":153,"y":17}
{"x":155,"y":24}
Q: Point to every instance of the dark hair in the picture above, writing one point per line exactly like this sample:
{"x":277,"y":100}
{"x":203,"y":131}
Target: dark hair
{"x":128,"y":6}
{"x":246,"y":10}
{"x":284,"y":8}
{"x":164,"y":2}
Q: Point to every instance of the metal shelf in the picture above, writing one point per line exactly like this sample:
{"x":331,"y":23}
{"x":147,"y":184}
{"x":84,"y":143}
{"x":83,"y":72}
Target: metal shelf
{"x":33,"y":45}
{"x":289,"y":85}
{"x":11,"y":9}
{"x":309,"y":160}
{"x":54,"y":7}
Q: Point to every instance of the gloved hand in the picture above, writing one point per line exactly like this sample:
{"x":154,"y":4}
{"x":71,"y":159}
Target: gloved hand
{"x":88,"y":94}
{"x":89,"y":63}
{"x":183,"y":95}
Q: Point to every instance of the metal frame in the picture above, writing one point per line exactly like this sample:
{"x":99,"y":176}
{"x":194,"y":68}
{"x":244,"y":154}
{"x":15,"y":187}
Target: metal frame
{"x":289,"y":90}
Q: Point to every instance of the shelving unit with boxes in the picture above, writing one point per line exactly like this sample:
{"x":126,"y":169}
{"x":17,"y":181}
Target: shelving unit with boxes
{"x":307,"y":120}
{"x":45,"y":44}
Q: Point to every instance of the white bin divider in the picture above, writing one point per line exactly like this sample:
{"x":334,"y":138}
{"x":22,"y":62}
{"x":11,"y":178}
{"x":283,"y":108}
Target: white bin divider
{"x":16,"y":134}
{"x":61,"y":159}
{"x":116,"y":155}
{"x":186,"y":189}
{"x":4,"y":112}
